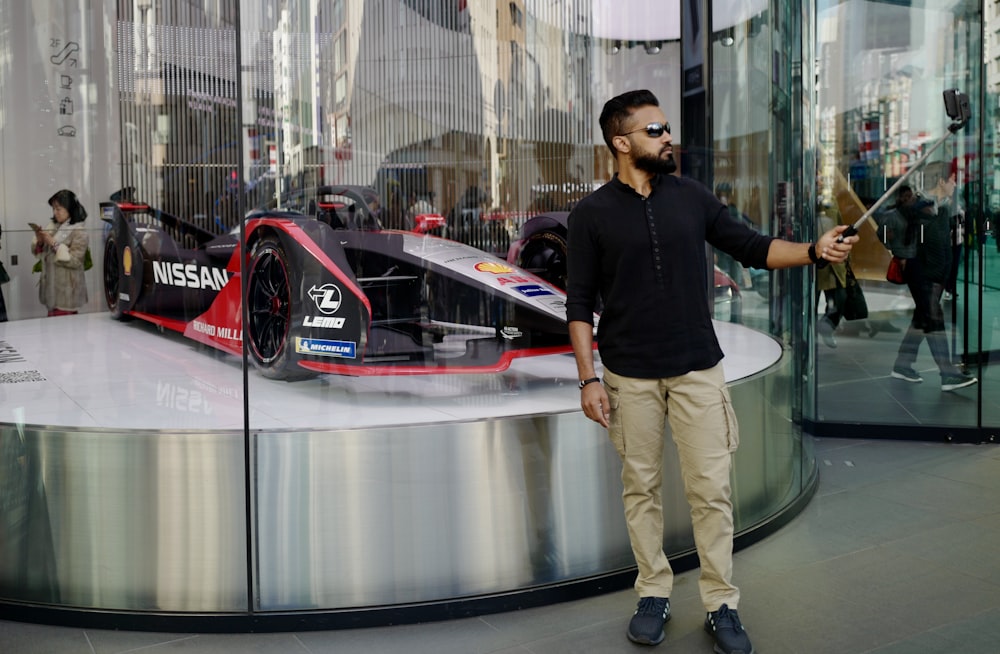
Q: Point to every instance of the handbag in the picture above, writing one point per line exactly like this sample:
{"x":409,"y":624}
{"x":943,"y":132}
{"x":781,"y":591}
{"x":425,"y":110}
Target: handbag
{"x":894,"y":273}
{"x":855,"y":305}
{"x":4,"y":277}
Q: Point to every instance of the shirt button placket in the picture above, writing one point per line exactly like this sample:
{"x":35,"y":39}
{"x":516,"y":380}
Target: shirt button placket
{"x":657,"y":263}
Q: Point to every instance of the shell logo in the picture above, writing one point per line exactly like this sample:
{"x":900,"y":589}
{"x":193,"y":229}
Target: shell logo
{"x":493,"y":267}
{"x":127,"y":261}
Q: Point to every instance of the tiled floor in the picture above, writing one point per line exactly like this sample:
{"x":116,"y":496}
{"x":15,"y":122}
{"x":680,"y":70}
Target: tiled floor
{"x":895,"y":553}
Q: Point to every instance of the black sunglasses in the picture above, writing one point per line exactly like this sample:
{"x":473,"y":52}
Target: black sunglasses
{"x":653,"y":130}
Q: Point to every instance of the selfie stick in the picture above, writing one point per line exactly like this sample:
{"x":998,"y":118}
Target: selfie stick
{"x":956,"y":104}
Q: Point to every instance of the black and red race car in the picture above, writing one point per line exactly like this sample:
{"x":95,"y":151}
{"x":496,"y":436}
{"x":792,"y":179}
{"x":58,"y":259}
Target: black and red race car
{"x":328,"y":293}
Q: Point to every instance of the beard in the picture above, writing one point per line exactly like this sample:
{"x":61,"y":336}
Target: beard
{"x":655,"y":164}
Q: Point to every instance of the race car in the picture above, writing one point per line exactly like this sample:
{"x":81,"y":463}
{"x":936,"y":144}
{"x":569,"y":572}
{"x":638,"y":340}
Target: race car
{"x":312,"y":294}
{"x":541,"y":250}
{"x":354,"y":206}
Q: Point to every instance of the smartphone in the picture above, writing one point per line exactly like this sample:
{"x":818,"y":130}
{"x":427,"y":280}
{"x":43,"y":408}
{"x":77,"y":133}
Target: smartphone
{"x":34,"y":226}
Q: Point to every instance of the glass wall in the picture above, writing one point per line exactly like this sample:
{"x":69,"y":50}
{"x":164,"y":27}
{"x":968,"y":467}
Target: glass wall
{"x":322,"y":229}
{"x":883,"y":125}
{"x":280,"y":362}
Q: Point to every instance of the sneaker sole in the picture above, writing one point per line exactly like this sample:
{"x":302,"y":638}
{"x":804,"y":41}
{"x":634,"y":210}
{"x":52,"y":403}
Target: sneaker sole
{"x":913,"y":380}
{"x":954,"y":387}
{"x":719,"y":650}
{"x":646,"y":641}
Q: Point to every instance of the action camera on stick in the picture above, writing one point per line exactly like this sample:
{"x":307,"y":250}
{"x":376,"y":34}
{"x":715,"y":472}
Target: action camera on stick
{"x":956,"y":105}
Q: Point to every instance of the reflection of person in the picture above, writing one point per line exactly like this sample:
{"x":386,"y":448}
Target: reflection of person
{"x":419,"y":205}
{"x":730,"y":266}
{"x":638,"y":243}
{"x":62,"y":248}
{"x":957,"y":239}
{"x":832,"y":281}
{"x":3,"y":305}
{"x":463,"y":219}
{"x":926,"y":273}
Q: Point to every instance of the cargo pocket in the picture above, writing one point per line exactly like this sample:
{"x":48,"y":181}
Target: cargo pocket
{"x":732,"y":426}
{"x":615,"y":419}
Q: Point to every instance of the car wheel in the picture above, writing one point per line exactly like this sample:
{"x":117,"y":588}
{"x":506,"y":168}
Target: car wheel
{"x":544,"y":254}
{"x":269,"y":311}
{"x":112,"y":276}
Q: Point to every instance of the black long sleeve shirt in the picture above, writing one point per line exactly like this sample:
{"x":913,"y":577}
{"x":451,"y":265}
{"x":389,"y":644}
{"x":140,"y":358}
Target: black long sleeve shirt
{"x":646,"y":258}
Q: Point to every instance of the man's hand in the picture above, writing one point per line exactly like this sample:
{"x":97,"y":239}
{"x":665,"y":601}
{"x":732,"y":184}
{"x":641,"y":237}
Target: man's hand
{"x":834,"y":251}
{"x":595,"y":404}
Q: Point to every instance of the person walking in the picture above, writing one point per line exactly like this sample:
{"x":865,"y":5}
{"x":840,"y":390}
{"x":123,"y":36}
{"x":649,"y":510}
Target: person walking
{"x":638,"y":243}
{"x":61,"y":247}
{"x":926,"y":275}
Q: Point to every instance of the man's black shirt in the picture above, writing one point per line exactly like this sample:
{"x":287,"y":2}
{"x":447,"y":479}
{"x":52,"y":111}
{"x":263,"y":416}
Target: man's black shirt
{"x":646,"y":259}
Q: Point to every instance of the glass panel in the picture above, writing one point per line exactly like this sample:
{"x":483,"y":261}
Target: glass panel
{"x":756,"y":57}
{"x":396,"y":124}
{"x":984,"y":266}
{"x":131,"y":106}
{"x":742,"y":164}
{"x":875,"y":127}
{"x":366,"y":130}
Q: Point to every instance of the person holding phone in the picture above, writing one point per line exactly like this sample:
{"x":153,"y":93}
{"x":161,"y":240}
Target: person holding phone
{"x":61,"y":247}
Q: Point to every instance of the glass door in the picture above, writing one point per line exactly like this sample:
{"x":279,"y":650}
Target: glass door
{"x":890,"y":151}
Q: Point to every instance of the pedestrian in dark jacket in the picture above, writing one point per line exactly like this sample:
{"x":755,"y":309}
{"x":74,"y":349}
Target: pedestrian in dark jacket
{"x":926,"y":275}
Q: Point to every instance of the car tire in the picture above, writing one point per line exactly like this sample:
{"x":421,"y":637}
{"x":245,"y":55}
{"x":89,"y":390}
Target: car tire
{"x":111,"y":273}
{"x":544,"y":254}
{"x":269,"y":311}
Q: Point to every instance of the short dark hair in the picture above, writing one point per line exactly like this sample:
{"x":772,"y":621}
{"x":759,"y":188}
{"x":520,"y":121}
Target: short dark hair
{"x":618,"y":109}
{"x":67,"y":200}
{"x":935,"y":172}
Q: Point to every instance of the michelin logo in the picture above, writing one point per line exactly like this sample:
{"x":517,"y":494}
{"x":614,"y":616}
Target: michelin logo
{"x":324,"y":348}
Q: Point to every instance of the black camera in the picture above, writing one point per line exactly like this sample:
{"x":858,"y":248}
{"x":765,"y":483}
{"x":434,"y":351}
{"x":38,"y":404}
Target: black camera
{"x":956,"y":104}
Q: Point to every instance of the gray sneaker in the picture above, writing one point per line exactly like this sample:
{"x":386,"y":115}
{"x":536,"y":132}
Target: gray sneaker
{"x":956,"y":381}
{"x":907,"y":374}
{"x":646,"y":626}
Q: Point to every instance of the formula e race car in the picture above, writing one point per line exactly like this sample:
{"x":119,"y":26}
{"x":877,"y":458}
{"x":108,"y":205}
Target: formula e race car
{"x":309,"y":294}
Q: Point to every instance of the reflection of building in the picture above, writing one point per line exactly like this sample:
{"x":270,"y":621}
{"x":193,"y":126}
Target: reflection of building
{"x":343,"y":93}
{"x":991,"y":55}
{"x":177,"y":99}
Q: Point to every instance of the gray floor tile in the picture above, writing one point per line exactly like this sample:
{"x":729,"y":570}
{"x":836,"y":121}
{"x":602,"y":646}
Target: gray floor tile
{"x":895,"y":553}
{"x":17,"y":638}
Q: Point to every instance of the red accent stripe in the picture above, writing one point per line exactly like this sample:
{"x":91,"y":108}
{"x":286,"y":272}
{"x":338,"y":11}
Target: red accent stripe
{"x":310,"y":246}
{"x":375,"y":369}
{"x":129,"y":206}
{"x":166,"y":323}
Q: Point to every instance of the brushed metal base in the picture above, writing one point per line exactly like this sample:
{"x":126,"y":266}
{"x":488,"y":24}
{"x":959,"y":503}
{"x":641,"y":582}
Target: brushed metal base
{"x":184,"y":529}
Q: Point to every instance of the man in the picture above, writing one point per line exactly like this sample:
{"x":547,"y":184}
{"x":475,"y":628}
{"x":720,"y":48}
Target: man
{"x":926,"y":275}
{"x":638,"y":242}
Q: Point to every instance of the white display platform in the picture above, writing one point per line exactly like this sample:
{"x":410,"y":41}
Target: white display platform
{"x":91,"y":371}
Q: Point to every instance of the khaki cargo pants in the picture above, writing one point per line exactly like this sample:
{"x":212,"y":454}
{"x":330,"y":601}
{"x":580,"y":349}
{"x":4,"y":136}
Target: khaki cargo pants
{"x":704,"y":429}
